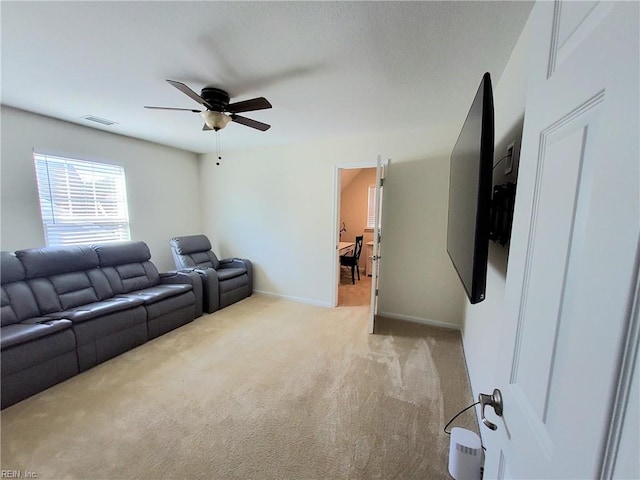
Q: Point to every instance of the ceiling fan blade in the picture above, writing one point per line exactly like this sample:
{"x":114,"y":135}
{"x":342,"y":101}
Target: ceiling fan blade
{"x":190,"y":93}
{"x":174,"y":108}
{"x":206,"y":127}
{"x":250,"y":123}
{"x":259,"y":103}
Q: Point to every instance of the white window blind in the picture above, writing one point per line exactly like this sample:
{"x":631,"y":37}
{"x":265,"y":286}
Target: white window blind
{"x":371,"y":206}
{"x":81,"y":202}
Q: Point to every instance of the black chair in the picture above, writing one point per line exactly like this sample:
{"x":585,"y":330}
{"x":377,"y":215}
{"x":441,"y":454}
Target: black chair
{"x":353,"y":260}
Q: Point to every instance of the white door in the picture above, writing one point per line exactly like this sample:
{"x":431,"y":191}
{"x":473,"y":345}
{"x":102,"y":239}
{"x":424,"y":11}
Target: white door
{"x":572,"y":261}
{"x":377,"y":241}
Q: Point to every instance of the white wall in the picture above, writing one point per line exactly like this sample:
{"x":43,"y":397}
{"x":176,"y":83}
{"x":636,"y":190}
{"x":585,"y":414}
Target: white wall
{"x":275,"y":206}
{"x":162,"y":182}
{"x":481,"y":326}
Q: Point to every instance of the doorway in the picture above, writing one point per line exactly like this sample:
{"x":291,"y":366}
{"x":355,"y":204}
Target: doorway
{"x":354,"y":217}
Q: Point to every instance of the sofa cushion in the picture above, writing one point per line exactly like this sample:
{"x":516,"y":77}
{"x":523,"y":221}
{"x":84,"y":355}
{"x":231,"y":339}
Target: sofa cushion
{"x":126,"y":265}
{"x":73,"y":289}
{"x":184,"y":300}
{"x":104,"y":337}
{"x":98,"y":309}
{"x":132,"y":277}
{"x":11,"y":269}
{"x":31,"y":355}
{"x":121,"y":253}
{"x":193,"y":251}
{"x":22,"y":333}
{"x":228,"y":273}
{"x":234,"y":283}
{"x":69,"y":290}
{"x":43,"y":262}
{"x":18,"y":303}
{"x":161,"y":292}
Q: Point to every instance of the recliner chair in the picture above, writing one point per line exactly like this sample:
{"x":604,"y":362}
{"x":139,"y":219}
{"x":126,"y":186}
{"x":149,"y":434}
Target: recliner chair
{"x":224,"y":281}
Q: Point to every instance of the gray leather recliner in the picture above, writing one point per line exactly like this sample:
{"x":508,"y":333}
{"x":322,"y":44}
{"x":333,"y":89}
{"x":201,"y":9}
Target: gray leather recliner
{"x":224,"y":281}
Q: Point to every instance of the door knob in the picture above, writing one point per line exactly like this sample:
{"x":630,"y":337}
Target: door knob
{"x":494,"y":401}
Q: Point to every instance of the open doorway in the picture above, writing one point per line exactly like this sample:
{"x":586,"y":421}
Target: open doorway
{"x":355,"y":203}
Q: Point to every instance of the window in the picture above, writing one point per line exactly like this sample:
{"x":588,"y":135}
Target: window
{"x":81,"y":202}
{"x":371,"y":206}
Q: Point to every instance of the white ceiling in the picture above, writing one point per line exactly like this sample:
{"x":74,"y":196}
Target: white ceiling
{"x":329,"y":68}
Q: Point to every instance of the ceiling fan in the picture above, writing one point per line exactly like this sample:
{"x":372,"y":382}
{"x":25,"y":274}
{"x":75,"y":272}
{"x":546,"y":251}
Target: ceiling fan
{"x":219,"y":112}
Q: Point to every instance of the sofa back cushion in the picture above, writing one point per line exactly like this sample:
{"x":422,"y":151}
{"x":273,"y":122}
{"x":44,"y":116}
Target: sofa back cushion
{"x":11,"y":269}
{"x":47,"y":261}
{"x":127,"y":266}
{"x":193,"y":251}
{"x":64,"y":277}
{"x":17,"y":301}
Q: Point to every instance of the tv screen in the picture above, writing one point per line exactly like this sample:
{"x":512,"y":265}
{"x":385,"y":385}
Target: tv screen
{"x":470,"y":183}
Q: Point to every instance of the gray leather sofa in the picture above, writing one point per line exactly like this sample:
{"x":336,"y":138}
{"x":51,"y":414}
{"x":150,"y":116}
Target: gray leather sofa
{"x":224,"y":281}
{"x":67,"y":309}
{"x":37,"y":352}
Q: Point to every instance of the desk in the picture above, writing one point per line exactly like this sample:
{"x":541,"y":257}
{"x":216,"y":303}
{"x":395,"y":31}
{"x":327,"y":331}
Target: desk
{"x":345,"y":248}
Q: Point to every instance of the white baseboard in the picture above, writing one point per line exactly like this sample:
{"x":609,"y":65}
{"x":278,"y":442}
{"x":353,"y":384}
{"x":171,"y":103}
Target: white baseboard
{"x":424,"y":321}
{"x":396,"y":316}
{"x":308,"y":301}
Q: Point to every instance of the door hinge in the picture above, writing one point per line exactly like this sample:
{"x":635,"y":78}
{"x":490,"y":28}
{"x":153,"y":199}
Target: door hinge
{"x":382,"y":182}
{"x":377,"y":292}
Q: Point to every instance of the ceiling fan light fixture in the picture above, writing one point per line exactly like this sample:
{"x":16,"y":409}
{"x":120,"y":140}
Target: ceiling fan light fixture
{"x":215,"y":120}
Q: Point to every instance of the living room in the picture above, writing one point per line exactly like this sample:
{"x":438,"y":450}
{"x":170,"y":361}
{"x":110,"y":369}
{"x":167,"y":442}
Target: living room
{"x":270,"y":199}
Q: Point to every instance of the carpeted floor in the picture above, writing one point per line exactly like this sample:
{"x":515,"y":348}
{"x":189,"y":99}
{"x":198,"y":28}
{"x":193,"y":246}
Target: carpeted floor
{"x":354,"y":294}
{"x":264,"y":389}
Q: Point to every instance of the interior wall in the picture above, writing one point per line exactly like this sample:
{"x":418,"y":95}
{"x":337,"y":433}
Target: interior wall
{"x":354,"y":208}
{"x":162,"y":182}
{"x":275,"y":206}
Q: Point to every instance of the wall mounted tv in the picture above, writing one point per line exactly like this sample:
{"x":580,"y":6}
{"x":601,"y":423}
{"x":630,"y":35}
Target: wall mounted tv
{"x":470,"y":185}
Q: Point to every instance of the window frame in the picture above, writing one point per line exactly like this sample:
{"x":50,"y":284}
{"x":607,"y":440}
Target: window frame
{"x":371,"y":207}
{"x":81,"y":202}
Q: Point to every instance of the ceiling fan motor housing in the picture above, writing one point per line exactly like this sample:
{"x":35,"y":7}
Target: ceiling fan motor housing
{"x":218,"y":110}
{"x":219,"y":99}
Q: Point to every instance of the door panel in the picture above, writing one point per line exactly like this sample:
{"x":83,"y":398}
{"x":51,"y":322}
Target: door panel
{"x":377,"y":241}
{"x":571,"y":272}
{"x":556,"y":201}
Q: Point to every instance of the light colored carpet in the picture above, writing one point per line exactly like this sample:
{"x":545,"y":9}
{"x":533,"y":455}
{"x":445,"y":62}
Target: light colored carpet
{"x":264,"y":389}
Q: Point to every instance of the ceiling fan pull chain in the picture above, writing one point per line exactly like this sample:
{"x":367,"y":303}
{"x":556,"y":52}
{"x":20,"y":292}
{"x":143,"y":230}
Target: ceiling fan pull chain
{"x":218,"y":147}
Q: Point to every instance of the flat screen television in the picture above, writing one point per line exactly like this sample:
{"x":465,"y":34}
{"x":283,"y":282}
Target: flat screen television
{"x":470,"y":185}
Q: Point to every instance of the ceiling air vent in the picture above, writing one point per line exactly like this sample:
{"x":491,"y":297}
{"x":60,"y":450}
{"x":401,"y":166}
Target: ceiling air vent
{"x":102,"y":121}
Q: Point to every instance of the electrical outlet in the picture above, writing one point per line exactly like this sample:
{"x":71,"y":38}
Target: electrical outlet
{"x":508,"y":165}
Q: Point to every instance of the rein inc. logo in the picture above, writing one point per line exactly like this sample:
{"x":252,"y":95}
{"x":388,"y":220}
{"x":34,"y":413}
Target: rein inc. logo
{"x":17,"y":474}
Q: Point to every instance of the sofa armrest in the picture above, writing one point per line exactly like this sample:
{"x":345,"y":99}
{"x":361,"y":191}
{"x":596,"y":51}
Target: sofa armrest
{"x":211,"y":283}
{"x":32,"y":329}
{"x":188,"y":277}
